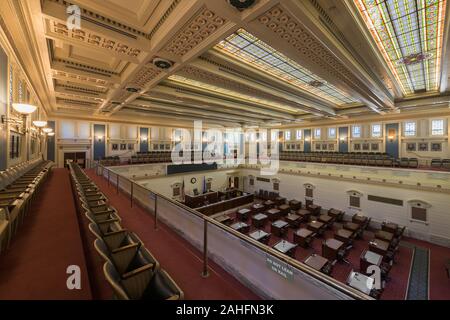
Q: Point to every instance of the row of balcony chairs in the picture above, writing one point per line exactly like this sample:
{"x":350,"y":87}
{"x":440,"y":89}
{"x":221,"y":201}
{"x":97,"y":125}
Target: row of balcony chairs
{"x":110,"y":161}
{"x":152,"y":157}
{"x":19,"y":186}
{"x":440,"y":163}
{"x":130,"y":268}
{"x":351,"y":158}
{"x":408,"y":163}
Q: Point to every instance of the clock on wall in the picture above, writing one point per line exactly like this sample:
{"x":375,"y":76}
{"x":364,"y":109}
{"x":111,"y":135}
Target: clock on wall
{"x":193,"y":180}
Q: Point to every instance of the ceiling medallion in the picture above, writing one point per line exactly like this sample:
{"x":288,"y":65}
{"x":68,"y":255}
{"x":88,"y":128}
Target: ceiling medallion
{"x":241,"y":4}
{"x":415,"y":58}
{"x":316,"y":83}
{"x":162,"y":63}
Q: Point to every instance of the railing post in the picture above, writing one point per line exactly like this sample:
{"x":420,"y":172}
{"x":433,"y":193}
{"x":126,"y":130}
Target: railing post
{"x":205,"y":272}
{"x":117,"y":183}
{"x":109,"y":183}
{"x":131,"y":194}
{"x":156,"y":211}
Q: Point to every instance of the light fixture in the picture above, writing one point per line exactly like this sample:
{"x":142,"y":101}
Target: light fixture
{"x":24,"y":108}
{"x":47,"y":130}
{"x":50,"y":134}
{"x":40,"y":123}
{"x":99,"y":138}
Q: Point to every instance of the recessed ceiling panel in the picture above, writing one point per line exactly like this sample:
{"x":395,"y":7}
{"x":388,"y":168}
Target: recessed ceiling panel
{"x":244,"y":46}
{"x":409,"y":35}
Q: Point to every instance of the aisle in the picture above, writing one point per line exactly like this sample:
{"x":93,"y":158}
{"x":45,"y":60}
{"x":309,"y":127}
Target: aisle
{"x":34,"y":267}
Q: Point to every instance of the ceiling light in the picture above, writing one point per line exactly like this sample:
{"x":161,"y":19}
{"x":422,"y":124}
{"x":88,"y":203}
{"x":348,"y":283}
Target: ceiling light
{"x":24,"y":108}
{"x":40,"y":123}
{"x":47,"y":130}
{"x":51,"y":134}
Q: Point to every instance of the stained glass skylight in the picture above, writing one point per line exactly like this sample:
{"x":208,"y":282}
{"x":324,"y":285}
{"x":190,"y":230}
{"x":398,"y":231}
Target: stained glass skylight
{"x":244,"y":46}
{"x":409,"y":35}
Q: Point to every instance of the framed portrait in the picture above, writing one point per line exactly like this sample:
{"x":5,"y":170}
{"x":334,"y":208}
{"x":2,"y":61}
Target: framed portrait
{"x":324,"y":146}
{"x":288,"y":146}
{"x":167,"y":146}
{"x":357,"y":146}
{"x":423,"y":146}
{"x":131,"y":146}
{"x":123,"y":146}
{"x":155,"y":146}
{"x":411,"y":146}
{"x":331,"y":146}
{"x":436,"y":146}
{"x":161,"y":146}
{"x":366,"y":146}
{"x":375,"y":147}
{"x":115,"y":147}
{"x":318,"y":146}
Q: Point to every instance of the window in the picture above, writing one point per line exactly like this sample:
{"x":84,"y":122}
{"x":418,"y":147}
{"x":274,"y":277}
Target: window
{"x":252,"y":181}
{"x":263,"y":135}
{"x":274,"y":135}
{"x":298,"y":134}
{"x":355,"y":201}
{"x":437,"y":127}
{"x":276,"y":186}
{"x":287,"y":135}
{"x":317,"y":133}
{"x":356,"y":131}
{"x":419,"y":214}
{"x":376,"y":130}
{"x":331,"y":132}
{"x":410,"y":129}
{"x":309,"y":192}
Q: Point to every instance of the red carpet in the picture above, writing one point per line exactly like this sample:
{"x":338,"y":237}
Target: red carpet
{"x":34,"y":267}
{"x":181,"y":260}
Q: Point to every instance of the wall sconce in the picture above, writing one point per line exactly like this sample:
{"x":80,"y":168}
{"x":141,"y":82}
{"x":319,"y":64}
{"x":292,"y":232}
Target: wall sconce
{"x":342,"y":139}
{"x":47,"y":130}
{"x":391,"y":135}
{"x":144,"y":139}
{"x":50,"y":134}
{"x":39,"y":123}
{"x":99,"y":138}
{"x":307,"y":139}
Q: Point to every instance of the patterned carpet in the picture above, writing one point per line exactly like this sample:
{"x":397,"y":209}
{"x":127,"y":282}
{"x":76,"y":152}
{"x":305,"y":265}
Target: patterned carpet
{"x":418,"y":282}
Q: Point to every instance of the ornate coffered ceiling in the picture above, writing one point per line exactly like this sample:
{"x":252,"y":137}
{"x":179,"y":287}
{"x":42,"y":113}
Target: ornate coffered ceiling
{"x":173,"y":61}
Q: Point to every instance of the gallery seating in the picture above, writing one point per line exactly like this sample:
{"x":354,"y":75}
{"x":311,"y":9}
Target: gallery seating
{"x":151,"y":157}
{"x":19,"y":186}
{"x":130,"y":268}
{"x":351,"y":158}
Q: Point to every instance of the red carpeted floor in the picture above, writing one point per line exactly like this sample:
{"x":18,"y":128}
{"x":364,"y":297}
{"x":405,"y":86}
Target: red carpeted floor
{"x":34,"y":267}
{"x":181,"y":260}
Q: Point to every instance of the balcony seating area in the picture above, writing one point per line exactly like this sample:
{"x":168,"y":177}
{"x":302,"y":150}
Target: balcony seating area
{"x":129,"y":267}
{"x":19,"y":186}
{"x":151,"y":157}
{"x":440,"y":163}
{"x":351,"y":158}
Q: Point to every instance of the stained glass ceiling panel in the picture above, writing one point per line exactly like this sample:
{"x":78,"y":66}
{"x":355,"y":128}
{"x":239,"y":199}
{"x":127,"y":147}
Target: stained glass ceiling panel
{"x":244,"y":46}
{"x":409,"y":35}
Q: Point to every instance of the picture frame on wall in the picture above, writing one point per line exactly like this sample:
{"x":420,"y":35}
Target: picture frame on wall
{"x":331,"y":146}
{"x":366,"y":146}
{"x":318,"y":146}
{"x":167,"y":146}
{"x":288,"y":146}
{"x":411,"y":146}
{"x":436,"y":146}
{"x":115,"y":147}
{"x":375,"y":147}
{"x":357,"y":146}
{"x":423,"y":146}
{"x":123,"y":146}
{"x":324,"y":146}
{"x":155,"y":146}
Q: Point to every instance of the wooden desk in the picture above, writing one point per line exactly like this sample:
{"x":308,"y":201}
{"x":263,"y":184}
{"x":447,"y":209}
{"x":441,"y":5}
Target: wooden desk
{"x":225,"y":205}
{"x":367,"y":259}
{"x":295,"y":205}
{"x":225,"y":219}
{"x":351,"y":226}
{"x":258,"y":207}
{"x":242,"y":214}
{"x":286,"y":247}
{"x":303,"y":237}
{"x":326,"y":219}
{"x":293,"y":220}
{"x":199,"y":200}
{"x":383,"y":235}
{"x":269,"y":204}
{"x":284,"y":209}
{"x":280,"y":201}
{"x":279,"y":228}
{"x":241,"y":227}
{"x":379,"y":246}
{"x":259,"y":220}
{"x":336,"y":214}
{"x":330,"y":248}
{"x":317,"y":262}
{"x":261,"y":236}
{"x":316,"y":226}
{"x":389,"y":227}
{"x":343,"y":235}
{"x":359,"y":219}
{"x":360,"y":282}
{"x":304,"y":214}
{"x":273,"y":214}
{"x":314,"y":209}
